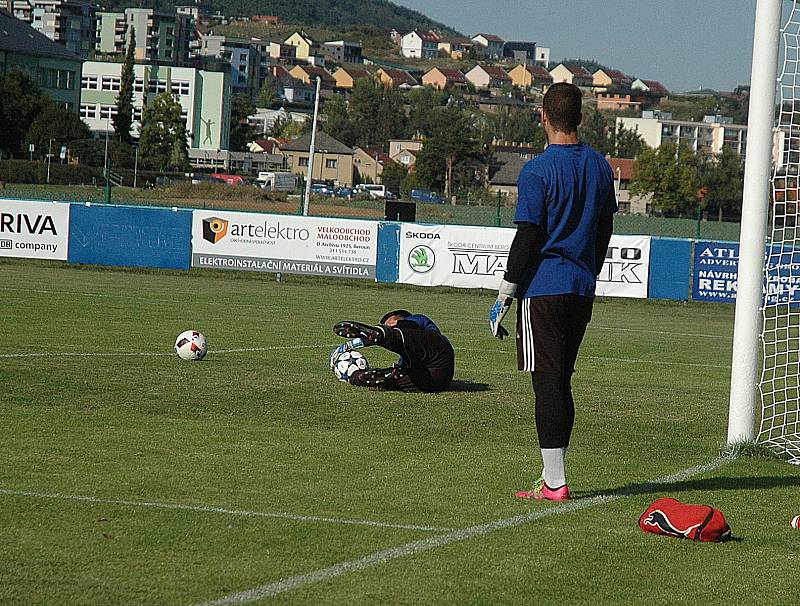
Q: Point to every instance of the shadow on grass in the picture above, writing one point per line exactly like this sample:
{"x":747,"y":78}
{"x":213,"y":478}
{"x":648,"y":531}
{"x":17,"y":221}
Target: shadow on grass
{"x":468,"y":386}
{"x":706,"y":484}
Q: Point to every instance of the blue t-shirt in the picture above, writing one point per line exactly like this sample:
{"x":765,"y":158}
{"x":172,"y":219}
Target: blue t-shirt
{"x":565,"y":191}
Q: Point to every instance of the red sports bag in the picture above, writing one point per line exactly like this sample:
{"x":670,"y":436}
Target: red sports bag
{"x":675,"y":519}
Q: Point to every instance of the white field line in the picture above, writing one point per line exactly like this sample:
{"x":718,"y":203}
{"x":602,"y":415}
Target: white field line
{"x":222,"y":510}
{"x":628,"y":360}
{"x":381,"y":557}
{"x":78,"y":354}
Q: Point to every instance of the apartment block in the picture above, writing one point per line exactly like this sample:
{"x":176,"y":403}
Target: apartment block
{"x":68,"y":22}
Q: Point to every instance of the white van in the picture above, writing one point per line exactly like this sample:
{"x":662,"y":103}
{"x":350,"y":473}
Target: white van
{"x":277,"y":181}
{"x":375,"y":191}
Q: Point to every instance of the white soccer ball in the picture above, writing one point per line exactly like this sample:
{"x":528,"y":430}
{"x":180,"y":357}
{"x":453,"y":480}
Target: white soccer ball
{"x":348,"y":362}
{"x":191,"y":345}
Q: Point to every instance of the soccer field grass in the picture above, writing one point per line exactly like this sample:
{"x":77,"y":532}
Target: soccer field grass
{"x":132,"y":477}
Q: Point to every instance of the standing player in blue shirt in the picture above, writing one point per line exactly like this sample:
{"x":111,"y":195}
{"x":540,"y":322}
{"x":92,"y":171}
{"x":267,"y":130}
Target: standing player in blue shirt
{"x":564,"y":223}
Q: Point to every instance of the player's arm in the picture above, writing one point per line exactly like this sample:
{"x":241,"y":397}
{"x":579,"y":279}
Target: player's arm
{"x":605,"y":228}
{"x":349,"y":346}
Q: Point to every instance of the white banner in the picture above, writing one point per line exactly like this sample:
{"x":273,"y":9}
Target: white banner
{"x":476,"y":257}
{"x":284,"y":243}
{"x":447,"y":255}
{"x":34,"y":230}
{"x":626,"y":270}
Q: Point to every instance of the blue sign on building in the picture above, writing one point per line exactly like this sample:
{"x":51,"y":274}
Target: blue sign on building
{"x":716,"y":269}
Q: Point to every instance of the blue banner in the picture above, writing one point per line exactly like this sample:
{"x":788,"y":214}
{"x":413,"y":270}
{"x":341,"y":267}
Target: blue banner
{"x":130,"y":236}
{"x":716,"y":269}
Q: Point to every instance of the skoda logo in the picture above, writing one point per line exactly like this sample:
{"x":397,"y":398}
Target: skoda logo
{"x":421,"y":259}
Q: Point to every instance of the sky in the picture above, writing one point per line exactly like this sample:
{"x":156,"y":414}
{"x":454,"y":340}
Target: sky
{"x":685,"y":44}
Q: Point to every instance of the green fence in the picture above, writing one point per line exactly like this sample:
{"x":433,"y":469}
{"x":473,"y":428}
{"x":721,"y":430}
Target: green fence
{"x":224,"y":197}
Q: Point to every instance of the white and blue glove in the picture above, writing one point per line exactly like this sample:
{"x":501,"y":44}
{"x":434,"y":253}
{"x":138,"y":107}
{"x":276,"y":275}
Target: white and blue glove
{"x":349,"y":346}
{"x":505,"y":297}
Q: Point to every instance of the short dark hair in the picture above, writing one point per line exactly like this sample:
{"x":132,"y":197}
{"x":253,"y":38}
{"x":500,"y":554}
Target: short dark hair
{"x":397,"y":312}
{"x":562,"y":104}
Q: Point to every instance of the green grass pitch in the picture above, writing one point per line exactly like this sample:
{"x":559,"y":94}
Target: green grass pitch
{"x":112,"y":465}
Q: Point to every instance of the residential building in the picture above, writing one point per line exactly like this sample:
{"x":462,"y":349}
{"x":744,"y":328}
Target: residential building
{"x":500,"y":104}
{"x":520,"y":52}
{"x":369,"y":164}
{"x":161,"y":38}
{"x":225,"y":161}
{"x":543,"y":56}
{"x":489,"y":46}
{"x":623,"y":169}
{"x":442,"y":78}
{"x":333,"y":160}
{"x":603,"y":79}
{"x":205,"y":99}
{"x":308,"y":74}
{"x":282,"y":52}
{"x":455,"y":48}
{"x":242,"y":56}
{"x":530,"y":76}
{"x":651,"y":86}
{"x":488,"y":76}
{"x":51,"y":65}
{"x":305,"y":47}
{"x":505,"y":151}
{"x":264,"y":119}
{"x":398,"y":145}
{"x":420,"y":45}
{"x":505,"y":179}
{"x":708,"y":137}
{"x":574,"y":74}
{"x":342,"y":51}
{"x":346,"y":77}
{"x":111,"y":35}
{"x":68,"y":22}
{"x":621,"y":99}
{"x":406,"y":157}
{"x":395,"y":77}
{"x":196,"y":11}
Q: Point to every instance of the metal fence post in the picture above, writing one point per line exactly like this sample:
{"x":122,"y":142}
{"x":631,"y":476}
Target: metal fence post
{"x":497,"y":216}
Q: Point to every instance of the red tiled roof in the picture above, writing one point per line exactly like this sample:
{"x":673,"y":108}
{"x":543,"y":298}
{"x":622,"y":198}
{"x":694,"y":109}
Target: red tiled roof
{"x":489,"y":37}
{"x":495,"y":72}
{"x":356,"y":73}
{"x":577,"y":70}
{"x":655,"y":86}
{"x":452,"y":74}
{"x":540,"y":73}
{"x":400,"y":76}
{"x":378,"y":155}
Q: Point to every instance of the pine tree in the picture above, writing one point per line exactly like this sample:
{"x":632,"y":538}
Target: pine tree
{"x":124,"y":118}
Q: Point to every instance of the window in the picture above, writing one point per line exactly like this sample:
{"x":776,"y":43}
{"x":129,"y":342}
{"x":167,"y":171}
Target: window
{"x":158,"y":86}
{"x":302,"y":162}
{"x":88,"y":111}
{"x":89,"y":82}
{"x":107,"y":112}
{"x":70,"y":79}
{"x":179,"y":87}
{"x":330,"y":163}
{"x":137,"y":114}
{"x":110,"y":83}
{"x":138,"y":85}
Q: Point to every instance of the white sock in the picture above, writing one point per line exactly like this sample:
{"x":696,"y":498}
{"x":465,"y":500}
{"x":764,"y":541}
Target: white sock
{"x":554,"y":472}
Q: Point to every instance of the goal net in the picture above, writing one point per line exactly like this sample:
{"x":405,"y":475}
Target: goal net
{"x":780,"y":376}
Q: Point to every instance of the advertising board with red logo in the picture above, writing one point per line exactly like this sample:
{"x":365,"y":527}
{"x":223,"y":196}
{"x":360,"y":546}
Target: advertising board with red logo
{"x":284,"y":244}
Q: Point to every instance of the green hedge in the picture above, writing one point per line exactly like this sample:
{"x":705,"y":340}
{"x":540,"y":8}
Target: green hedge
{"x":26,"y":171}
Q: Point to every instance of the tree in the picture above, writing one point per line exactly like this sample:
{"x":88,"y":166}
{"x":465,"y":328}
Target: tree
{"x":163,"y":144}
{"x":671,"y":175}
{"x":600,"y":131}
{"x":452,"y":142}
{"x":722,"y":180}
{"x":394,"y":176}
{"x":21,"y":100}
{"x":242,"y":132}
{"x":268,"y":96}
{"x":55,"y":126}
{"x":376,"y":113}
{"x":337,"y":121}
{"x":627,"y":142}
{"x":124,"y":118}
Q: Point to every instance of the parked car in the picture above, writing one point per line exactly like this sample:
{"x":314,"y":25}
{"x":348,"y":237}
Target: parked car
{"x":231,"y":179}
{"x":320,"y":189}
{"x":200,"y":179}
{"x":426,"y":195}
{"x":344,"y":192}
{"x":372,"y":190}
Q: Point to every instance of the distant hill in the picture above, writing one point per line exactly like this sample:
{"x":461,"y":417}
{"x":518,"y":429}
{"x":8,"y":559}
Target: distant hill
{"x":313,"y":13}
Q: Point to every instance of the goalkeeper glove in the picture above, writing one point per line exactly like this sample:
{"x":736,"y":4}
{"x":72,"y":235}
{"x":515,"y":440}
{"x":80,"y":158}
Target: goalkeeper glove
{"x":505,"y":297}
{"x":349,"y":346}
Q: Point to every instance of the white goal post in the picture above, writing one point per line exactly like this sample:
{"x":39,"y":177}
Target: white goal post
{"x":767,"y":317}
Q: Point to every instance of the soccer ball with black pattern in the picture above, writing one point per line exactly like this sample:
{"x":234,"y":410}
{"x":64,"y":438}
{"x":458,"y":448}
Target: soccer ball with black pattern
{"x":191,"y":345}
{"x":348,"y":362}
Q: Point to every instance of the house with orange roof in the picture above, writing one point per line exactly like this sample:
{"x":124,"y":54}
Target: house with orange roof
{"x":488,"y":76}
{"x":308,"y":74}
{"x":603,"y":79}
{"x":530,"y":76}
{"x":399,"y":78}
{"x":346,"y":77}
{"x":442,"y":78}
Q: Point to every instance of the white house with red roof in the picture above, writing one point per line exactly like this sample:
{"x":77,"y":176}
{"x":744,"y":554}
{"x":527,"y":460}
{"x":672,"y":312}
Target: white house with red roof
{"x":420,"y":45}
{"x":488,"y":76}
{"x":489,"y":45}
{"x":574,"y":74}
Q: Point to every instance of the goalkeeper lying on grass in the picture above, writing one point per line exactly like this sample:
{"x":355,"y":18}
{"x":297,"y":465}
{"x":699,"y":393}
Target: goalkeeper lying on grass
{"x":427,"y":359}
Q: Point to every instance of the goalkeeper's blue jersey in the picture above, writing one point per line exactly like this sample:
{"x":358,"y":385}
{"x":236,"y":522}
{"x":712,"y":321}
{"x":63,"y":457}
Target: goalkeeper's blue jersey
{"x":424,"y":322}
{"x":565,"y":191}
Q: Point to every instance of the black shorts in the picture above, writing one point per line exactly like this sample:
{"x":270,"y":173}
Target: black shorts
{"x":550,"y":330}
{"x":428,"y":357}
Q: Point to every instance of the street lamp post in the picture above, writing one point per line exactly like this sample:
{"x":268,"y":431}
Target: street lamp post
{"x":49,"y":156}
{"x":135,"y":165}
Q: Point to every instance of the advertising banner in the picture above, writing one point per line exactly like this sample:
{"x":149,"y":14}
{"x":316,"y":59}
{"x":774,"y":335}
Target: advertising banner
{"x":476,"y":257}
{"x":447,"y":255}
{"x":34,"y":230}
{"x":284,"y":243}
{"x":716,"y":269}
{"x":130,"y":236}
{"x":626,"y":269}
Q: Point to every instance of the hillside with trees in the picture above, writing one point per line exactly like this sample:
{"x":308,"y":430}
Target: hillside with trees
{"x":320,"y":13}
